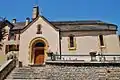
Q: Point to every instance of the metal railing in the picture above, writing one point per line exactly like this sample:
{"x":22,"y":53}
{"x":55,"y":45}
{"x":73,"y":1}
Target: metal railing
{"x":88,"y":58}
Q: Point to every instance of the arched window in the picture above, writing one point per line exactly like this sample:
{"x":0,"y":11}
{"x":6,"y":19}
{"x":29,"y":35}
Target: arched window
{"x":39,"y":29}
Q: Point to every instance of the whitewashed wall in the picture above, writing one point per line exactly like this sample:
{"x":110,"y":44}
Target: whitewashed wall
{"x":48,"y":32}
{"x":86,"y":44}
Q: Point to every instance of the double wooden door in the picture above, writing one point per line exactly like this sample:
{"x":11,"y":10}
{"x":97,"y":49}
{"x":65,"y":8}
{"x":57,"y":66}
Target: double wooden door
{"x":39,"y":56}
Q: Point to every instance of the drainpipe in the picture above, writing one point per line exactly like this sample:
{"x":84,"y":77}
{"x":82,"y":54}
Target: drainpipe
{"x":60,"y":42}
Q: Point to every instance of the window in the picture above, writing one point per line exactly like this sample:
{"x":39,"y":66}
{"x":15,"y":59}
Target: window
{"x":39,"y":29}
{"x":11,"y":48}
{"x":101,"y":40}
{"x":17,"y":48}
{"x":7,"y":49}
{"x":72,"y":43}
{"x":19,"y":37}
{"x":11,"y":36}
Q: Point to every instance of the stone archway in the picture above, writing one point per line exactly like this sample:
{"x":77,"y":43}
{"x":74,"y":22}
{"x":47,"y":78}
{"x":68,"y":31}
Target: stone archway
{"x":38,"y":48}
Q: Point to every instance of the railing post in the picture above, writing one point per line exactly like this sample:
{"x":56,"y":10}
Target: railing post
{"x":93,"y":56}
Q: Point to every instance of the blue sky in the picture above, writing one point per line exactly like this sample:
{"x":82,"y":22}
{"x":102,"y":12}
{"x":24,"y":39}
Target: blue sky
{"x":55,"y":10}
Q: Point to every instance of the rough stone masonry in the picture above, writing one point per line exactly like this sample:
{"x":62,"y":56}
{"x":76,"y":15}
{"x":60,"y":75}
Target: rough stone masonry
{"x":65,"y":72}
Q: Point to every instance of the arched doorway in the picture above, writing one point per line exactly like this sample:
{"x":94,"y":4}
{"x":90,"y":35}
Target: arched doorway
{"x":38,"y":48}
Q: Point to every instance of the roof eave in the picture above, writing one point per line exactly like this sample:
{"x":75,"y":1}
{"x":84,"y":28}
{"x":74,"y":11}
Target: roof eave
{"x":84,"y":30}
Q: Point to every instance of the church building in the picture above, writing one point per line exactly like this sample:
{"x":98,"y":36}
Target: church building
{"x":34,"y":40}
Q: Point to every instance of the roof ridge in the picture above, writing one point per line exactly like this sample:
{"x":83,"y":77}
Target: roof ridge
{"x":79,"y":21}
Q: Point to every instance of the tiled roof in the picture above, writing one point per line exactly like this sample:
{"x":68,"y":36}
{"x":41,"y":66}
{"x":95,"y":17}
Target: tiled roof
{"x":75,"y":25}
{"x":18,"y":25}
{"x":83,"y":25}
{"x":82,"y":22}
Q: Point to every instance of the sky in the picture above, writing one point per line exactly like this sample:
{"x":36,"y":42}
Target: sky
{"x":62,"y":10}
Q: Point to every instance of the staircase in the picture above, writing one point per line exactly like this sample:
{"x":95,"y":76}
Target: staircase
{"x":29,"y":73}
{"x":54,"y":72}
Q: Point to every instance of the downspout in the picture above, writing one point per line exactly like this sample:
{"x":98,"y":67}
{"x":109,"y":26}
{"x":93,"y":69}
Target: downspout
{"x":60,"y":43}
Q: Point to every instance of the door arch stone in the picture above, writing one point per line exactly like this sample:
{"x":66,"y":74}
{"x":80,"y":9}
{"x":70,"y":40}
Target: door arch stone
{"x":37,"y":44}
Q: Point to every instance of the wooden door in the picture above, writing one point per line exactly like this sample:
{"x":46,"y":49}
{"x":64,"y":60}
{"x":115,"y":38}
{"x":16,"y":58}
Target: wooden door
{"x":39,"y":56}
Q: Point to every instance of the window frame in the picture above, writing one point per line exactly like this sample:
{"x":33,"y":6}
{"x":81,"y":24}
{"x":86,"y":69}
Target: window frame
{"x":101,"y":41}
{"x":11,"y":36}
{"x":74,"y":43}
{"x":39,"y":29}
{"x":11,"y":47}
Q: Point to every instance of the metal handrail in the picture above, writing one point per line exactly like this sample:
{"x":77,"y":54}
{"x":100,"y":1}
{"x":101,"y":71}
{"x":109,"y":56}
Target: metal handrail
{"x":92,"y":57}
{"x":85,"y":55}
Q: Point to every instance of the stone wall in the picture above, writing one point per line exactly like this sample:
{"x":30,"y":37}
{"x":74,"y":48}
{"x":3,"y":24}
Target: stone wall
{"x":63,"y":72}
{"x":7,"y":68}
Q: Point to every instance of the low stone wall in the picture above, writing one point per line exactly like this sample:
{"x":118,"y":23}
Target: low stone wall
{"x":82,"y":63}
{"x":6,"y":68}
{"x":62,"y":72}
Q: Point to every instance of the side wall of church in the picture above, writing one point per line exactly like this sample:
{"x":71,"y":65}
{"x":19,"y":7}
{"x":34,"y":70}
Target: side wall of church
{"x":87,"y":42}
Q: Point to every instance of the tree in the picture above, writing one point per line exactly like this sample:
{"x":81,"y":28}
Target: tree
{"x":2,"y":30}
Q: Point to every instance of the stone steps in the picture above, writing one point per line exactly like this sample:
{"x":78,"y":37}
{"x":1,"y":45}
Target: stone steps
{"x":26,"y":73}
{"x":54,"y":72}
{"x":25,"y":79}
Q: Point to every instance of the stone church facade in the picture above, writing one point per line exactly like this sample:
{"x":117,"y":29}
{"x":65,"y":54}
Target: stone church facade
{"x":34,"y":40}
